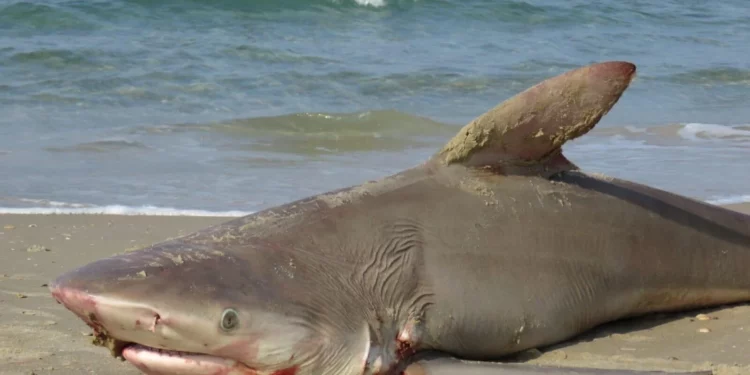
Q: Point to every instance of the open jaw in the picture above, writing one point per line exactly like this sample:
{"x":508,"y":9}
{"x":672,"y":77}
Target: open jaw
{"x":160,"y":361}
{"x":155,"y":361}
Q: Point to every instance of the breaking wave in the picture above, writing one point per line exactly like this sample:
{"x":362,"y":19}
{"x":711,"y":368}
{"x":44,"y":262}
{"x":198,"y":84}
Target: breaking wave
{"x":120,"y":210}
{"x":693,"y":131}
{"x":62,"y":208}
{"x":735,"y":199}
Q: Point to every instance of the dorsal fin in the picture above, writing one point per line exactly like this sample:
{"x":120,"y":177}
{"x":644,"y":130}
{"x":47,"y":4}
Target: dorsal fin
{"x":531,"y":127}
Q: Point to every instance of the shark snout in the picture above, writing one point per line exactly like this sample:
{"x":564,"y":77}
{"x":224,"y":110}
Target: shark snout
{"x":121,"y":319}
{"x":77,"y":301}
{"x":119,"y":294}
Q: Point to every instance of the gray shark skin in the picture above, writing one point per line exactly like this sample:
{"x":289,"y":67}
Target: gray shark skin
{"x":495,"y":245}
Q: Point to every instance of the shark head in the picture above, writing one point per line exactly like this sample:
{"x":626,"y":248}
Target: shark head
{"x":178,"y":308}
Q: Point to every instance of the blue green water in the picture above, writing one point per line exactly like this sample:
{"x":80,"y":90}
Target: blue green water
{"x":239,"y":105}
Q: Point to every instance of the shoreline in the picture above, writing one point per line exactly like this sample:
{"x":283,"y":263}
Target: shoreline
{"x":152,"y":211}
{"x":39,"y":336}
{"x":740,"y":207}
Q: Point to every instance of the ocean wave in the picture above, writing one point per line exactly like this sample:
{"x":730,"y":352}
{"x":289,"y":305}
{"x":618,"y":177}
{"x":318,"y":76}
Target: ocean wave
{"x":426,"y":82}
{"x":315,"y":133}
{"x":65,"y":209}
{"x":373,"y":3}
{"x":735,"y":199}
{"x":386,"y":124}
{"x":273,"y":5}
{"x":62,"y":208}
{"x":53,"y":58}
{"x":27,"y":17}
{"x":92,"y":15}
{"x":680,"y":132}
{"x":271,"y":56}
{"x":713,"y":76}
{"x":101,"y":146}
{"x":319,"y":133}
{"x":695,"y":131}
{"x":45,"y":203}
{"x":372,"y":123}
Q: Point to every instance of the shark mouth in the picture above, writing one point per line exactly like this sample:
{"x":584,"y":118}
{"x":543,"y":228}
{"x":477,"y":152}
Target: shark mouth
{"x":155,"y":361}
{"x":152,"y":361}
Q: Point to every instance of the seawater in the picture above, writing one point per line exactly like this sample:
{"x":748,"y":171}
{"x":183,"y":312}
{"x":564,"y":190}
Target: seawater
{"x":231,"y":106}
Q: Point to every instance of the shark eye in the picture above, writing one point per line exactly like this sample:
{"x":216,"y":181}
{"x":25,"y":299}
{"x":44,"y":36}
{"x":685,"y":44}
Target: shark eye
{"x":230,"y":319}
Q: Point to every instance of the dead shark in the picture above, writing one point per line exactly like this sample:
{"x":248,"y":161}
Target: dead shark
{"x":495,"y":245}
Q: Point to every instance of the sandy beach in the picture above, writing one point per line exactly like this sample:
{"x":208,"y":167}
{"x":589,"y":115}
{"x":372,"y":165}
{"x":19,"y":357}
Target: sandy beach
{"x":38,"y":336}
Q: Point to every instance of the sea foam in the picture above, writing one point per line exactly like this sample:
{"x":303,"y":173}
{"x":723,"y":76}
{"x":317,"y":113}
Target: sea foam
{"x":120,"y":210}
{"x":61,"y":208}
{"x":694,"y":131}
{"x":373,"y":3}
{"x":734,"y":199}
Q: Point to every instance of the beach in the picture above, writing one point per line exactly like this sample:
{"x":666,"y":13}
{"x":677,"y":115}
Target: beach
{"x":38,"y":336}
{"x":124,"y":123}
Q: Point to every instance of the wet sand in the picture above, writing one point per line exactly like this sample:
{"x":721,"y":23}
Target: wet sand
{"x":38,"y":336}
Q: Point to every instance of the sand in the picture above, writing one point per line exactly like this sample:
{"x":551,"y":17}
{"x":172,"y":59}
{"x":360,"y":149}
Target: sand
{"x":38,"y":336}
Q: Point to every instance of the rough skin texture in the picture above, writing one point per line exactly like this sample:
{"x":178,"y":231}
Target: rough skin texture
{"x":537,"y":122}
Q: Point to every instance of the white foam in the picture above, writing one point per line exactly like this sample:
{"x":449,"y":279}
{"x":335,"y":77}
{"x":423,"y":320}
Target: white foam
{"x":634,"y":129}
{"x":692,"y":130}
{"x":119,"y":210}
{"x":617,"y":142}
{"x":373,"y":3}
{"x":48,"y":203}
{"x":67,"y":209}
{"x":730,"y":200}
